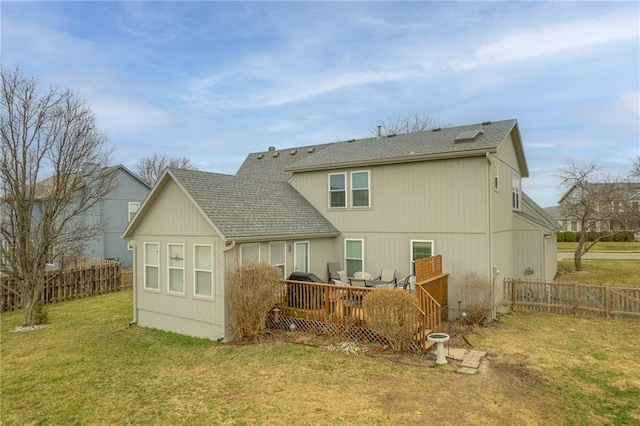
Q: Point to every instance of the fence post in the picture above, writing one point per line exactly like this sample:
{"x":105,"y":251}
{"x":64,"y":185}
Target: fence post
{"x":514,"y":295}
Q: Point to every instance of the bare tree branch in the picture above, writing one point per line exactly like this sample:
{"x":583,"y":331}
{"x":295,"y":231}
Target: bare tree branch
{"x":401,"y":124}
{"x":51,"y":180}
{"x":149,"y":169}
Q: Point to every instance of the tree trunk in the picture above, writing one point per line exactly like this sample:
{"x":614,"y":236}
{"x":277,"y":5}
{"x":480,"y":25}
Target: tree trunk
{"x":577,"y":260}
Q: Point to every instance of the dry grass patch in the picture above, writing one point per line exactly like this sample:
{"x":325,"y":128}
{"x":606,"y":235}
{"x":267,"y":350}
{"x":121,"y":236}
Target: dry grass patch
{"x":600,"y":271}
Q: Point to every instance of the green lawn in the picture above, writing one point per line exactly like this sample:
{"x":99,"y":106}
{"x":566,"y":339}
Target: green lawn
{"x":627,"y":246}
{"x":88,"y":366}
{"x":624,"y":273}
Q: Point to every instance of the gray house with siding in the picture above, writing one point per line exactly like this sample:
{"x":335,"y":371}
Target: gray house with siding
{"x":367,"y":204}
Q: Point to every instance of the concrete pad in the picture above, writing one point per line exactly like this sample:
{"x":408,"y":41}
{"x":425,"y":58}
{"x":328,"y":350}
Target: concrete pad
{"x":465,"y":370}
{"x":470,"y":364}
{"x":456,"y":353}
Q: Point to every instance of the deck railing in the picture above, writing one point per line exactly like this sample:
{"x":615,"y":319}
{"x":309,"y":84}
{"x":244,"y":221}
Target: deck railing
{"x":337,"y":310}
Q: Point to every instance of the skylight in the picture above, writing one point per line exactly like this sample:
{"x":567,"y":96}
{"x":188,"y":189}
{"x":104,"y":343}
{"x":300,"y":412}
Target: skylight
{"x":467,"y":135}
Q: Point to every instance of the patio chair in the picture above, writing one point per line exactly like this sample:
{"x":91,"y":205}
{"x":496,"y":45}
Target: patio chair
{"x":361,"y":275}
{"x":342,"y":278}
{"x":403,"y":283}
{"x":332,"y":270}
{"x":387,"y":276}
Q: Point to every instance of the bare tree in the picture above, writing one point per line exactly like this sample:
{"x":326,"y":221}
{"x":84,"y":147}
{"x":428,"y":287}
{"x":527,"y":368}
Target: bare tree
{"x":149,"y":169}
{"x":635,"y":169}
{"x":406,"y":124}
{"x":597,"y":202}
{"x":50,"y":180}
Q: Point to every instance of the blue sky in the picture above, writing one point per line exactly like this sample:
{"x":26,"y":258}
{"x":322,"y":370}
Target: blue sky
{"x":213,"y":81}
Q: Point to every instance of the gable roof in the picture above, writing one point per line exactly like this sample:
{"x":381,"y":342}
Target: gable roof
{"x":434,"y":144}
{"x":627,"y":190}
{"x":243,"y":208}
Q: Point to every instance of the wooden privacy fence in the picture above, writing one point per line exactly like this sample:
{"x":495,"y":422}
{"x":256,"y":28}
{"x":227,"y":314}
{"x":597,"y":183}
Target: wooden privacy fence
{"x":573,"y":298}
{"x":66,"y":284}
{"x":431,"y":283}
{"x":337,"y":310}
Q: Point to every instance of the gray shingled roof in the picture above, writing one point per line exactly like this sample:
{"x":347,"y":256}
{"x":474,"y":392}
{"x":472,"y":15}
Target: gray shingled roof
{"x":537,"y":214}
{"x":401,"y":148}
{"x":270,"y":165}
{"x":246,"y":207}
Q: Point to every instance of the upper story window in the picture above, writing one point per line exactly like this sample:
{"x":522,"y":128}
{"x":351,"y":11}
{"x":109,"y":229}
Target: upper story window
{"x":338,"y":190}
{"x":515,"y":192}
{"x":133,"y":208}
{"x":152,"y":266}
{"x":360,"y":189}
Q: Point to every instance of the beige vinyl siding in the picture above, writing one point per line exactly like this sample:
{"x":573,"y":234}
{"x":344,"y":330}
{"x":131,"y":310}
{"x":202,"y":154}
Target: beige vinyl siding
{"x":175,"y":220}
{"x":443,"y":195}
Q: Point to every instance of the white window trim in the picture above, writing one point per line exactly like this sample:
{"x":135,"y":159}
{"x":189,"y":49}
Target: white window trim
{"x":346,"y":202}
{"x":169,"y":268}
{"x":295,"y":255}
{"x":284,"y":252}
{"x":242,"y":246}
{"x":368,"y":188}
{"x":144,"y":273}
{"x":496,"y":178}
{"x":411,"y":261}
{"x":196,"y":270}
{"x":345,"y":252}
{"x":137,"y":206}
{"x":516,"y":191}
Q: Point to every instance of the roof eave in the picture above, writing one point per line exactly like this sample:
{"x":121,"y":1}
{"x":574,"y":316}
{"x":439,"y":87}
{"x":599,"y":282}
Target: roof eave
{"x":280,"y":237}
{"x":395,"y":160}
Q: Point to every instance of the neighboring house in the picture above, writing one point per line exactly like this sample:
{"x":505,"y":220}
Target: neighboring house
{"x":115,"y":212}
{"x":368,"y":204}
{"x":615,"y":207}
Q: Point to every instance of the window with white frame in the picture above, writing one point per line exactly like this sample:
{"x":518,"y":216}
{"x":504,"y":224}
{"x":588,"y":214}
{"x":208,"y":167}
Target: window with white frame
{"x":496,"y":178}
{"x":420,"y":249}
{"x":249,"y":254}
{"x":337,"y":190}
{"x":360,"y":189}
{"x":133,"y":208}
{"x":515,"y":192}
{"x":277,"y":256}
{"x":203,"y":270}
{"x":175,"y":263}
{"x":152,"y":266}
{"x":573,"y":226}
{"x":354,"y":256}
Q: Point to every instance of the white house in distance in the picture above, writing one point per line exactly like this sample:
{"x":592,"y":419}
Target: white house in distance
{"x":367,"y":204}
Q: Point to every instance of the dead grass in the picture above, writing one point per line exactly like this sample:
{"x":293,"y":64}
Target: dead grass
{"x":90,"y":367}
{"x":604,"y":247}
{"x":600,"y":271}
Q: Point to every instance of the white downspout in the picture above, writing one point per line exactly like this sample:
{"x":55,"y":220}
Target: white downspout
{"x":132,"y":243}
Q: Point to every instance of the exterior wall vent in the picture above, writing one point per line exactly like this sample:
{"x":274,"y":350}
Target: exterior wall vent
{"x":468,"y":136}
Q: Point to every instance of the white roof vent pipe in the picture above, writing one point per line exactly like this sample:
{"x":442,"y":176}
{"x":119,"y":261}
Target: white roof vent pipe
{"x":379,"y":134}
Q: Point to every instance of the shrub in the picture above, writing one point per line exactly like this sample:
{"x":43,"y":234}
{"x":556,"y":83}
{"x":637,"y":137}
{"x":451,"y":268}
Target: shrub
{"x":592,"y":235}
{"x":393,"y":314}
{"x":560,"y":237}
{"x":630,"y":236}
{"x":607,"y":238}
{"x":41,"y":314}
{"x":476,"y":298}
{"x":251,"y":296}
{"x":619,"y":237}
{"x":570,"y":237}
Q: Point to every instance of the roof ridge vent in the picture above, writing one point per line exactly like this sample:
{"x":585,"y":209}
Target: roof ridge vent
{"x":310,"y":150}
{"x":468,"y":135}
{"x":260,"y":156}
{"x":486,"y":123}
{"x":293,"y":151}
{"x":436,"y":129}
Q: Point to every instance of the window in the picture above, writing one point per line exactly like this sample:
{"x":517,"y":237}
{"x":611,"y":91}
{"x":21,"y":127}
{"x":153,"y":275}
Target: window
{"x":496,"y":178}
{"x":151,"y":266}
{"x":301,"y":256}
{"x":354,"y":256}
{"x":419,"y":250}
{"x":360,"y":189}
{"x":175,"y":253}
{"x":277,"y":256}
{"x":574,"y":226}
{"x":203,"y":270}
{"x":337,"y":190}
{"x":249,"y":254}
{"x":515,"y":192}
{"x":133,"y":208}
